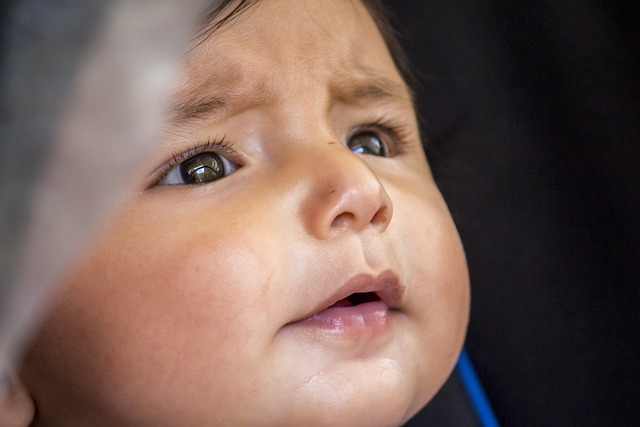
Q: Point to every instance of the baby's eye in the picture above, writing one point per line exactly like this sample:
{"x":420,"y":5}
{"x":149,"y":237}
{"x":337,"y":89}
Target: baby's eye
{"x":199,"y":169}
{"x":368,"y":142}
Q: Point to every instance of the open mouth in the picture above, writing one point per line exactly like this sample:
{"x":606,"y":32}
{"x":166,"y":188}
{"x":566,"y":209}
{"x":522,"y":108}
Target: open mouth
{"x":357,"y":299}
{"x":360,"y":313}
{"x":362,"y":306}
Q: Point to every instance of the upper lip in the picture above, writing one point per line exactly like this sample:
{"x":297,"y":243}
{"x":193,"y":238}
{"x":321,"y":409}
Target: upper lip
{"x":385,"y":285}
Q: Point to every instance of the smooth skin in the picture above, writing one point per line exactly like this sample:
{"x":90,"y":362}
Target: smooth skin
{"x":180,"y":313}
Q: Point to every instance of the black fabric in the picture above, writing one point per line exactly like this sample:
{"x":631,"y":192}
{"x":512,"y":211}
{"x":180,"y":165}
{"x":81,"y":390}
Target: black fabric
{"x":450,"y":408}
{"x":533,"y":113}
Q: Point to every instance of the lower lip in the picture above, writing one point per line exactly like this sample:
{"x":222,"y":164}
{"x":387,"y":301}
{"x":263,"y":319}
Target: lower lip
{"x":367,"y":318}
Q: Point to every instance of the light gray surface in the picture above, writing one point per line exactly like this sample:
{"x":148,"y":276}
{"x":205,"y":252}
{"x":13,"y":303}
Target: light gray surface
{"x":82,"y":93}
{"x":44,"y":42}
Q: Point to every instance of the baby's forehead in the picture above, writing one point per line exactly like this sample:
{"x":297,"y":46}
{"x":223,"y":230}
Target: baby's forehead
{"x":255,"y":58}
{"x":210,"y":94}
{"x":337,"y":29}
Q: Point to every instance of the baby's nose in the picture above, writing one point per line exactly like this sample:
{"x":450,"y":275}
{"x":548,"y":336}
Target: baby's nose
{"x":343,"y":194}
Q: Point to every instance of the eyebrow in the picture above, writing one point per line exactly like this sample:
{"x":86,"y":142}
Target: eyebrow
{"x":369,"y":88}
{"x":198,"y":107}
{"x":345,"y":88}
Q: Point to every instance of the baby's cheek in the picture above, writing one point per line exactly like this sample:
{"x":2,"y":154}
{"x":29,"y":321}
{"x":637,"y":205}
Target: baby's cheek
{"x":439,"y":274}
{"x":437,"y":281}
{"x":200,"y":296}
{"x":163,"y":314}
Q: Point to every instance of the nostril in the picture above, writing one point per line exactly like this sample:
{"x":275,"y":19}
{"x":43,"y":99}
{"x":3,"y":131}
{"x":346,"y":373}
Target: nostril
{"x":347,"y":219}
{"x":381,"y":216}
{"x":343,"y":221}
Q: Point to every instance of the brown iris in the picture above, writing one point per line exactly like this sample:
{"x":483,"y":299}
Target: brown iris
{"x":202,"y":168}
{"x":367,"y":143}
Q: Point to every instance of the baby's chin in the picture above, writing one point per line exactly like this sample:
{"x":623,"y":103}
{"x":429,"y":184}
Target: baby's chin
{"x":374,"y":392}
{"x":379,"y":404}
{"x":383,"y":402}
{"x":376,"y":382}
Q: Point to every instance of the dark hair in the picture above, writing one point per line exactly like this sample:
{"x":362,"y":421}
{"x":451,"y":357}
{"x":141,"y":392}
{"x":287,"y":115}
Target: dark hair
{"x":214,"y":19}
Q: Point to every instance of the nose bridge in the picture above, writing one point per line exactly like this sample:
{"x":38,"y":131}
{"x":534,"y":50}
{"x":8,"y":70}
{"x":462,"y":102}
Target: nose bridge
{"x":341,"y":192}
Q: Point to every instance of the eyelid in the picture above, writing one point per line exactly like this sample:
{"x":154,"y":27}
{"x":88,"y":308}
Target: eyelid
{"x":221,"y":147}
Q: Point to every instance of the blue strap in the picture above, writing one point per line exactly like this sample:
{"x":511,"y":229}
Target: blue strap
{"x":473,"y":387}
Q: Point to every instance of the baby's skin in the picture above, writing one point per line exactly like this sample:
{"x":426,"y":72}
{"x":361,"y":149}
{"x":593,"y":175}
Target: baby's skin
{"x":289,"y":259}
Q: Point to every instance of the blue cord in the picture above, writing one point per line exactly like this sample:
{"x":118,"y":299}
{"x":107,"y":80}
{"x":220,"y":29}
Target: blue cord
{"x":471,"y":383}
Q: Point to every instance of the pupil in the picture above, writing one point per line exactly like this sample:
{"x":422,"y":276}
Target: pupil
{"x":202,"y":168}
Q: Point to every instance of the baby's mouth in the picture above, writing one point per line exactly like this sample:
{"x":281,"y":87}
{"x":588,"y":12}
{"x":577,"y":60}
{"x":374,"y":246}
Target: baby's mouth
{"x":362,"y":306}
{"x":357,"y":299}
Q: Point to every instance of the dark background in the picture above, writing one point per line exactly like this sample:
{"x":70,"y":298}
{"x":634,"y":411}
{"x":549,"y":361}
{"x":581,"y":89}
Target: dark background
{"x":532,"y":113}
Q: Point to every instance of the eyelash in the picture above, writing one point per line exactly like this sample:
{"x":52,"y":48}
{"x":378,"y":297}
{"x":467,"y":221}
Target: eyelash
{"x":219,"y":146}
{"x":398,"y":133}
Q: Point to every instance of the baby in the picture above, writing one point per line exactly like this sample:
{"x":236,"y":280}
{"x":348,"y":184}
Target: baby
{"x":288,"y":261}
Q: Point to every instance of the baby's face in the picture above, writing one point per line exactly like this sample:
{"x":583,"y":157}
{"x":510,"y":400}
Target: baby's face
{"x":312,"y":275}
